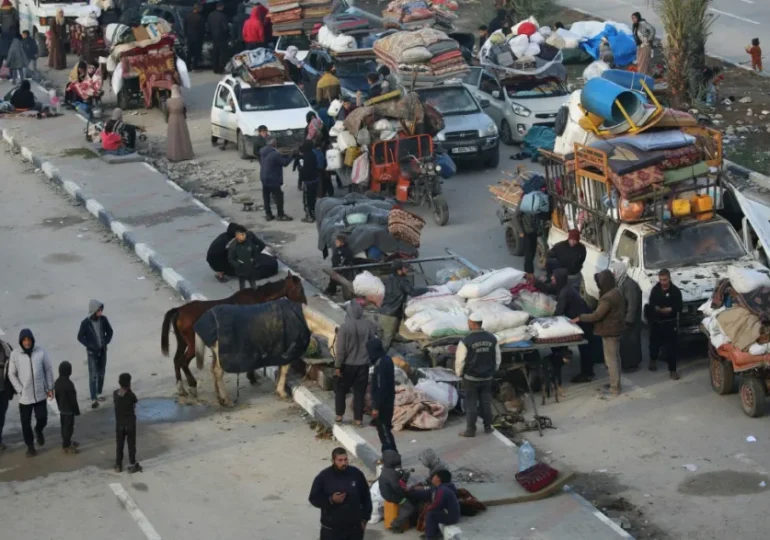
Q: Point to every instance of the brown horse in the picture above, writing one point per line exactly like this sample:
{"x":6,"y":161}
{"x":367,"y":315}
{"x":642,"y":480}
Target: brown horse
{"x":183,"y":318}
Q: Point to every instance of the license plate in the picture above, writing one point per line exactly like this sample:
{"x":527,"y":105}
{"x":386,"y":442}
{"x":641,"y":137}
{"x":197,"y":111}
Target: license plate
{"x":463,"y":150}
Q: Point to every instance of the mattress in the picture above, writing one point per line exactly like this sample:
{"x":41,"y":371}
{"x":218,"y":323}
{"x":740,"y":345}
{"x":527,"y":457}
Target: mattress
{"x":674,"y":176}
{"x":637,"y":183}
{"x":274,"y":10}
{"x":287,"y":16}
{"x":316,"y":12}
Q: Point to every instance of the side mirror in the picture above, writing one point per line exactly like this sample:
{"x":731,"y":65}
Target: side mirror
{"x":228,"y":108}
{"x":496,"y":94}
{"x":484,"y":103}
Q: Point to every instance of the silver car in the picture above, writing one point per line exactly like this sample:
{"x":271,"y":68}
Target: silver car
{"x":520,"y":103}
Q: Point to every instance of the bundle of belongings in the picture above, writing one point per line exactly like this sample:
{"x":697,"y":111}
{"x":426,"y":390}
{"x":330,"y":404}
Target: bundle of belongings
{"x":363,"y":221}
{"x":152,"y":60}
{"x":257,"y":67}
{"x":525,"y":49}
{"x":585,"y":41}
{"x":416,"y":14}
{"x":345,"y":44}
{"x":738,"y":317}
{"x":294,"y":17}
{"x":425,"y":56}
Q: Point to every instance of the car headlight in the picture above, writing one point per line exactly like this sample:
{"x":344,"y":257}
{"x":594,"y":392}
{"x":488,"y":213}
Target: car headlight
{"x":491,"y":130}
{"x":521,"y":111}
{"x":441,"y":136}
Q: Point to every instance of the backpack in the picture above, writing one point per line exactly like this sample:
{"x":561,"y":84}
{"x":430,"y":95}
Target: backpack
{"x":534,"y":202}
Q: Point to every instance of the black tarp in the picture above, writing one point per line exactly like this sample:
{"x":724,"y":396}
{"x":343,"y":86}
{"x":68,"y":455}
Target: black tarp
{"x":252,"y":337}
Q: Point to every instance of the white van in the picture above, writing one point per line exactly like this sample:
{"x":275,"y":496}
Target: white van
{"x":238,"y":110}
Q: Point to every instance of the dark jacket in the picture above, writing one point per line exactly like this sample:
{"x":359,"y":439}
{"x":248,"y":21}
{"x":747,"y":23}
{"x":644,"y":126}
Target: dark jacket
{"x":357,"y":506}
{"x":342,"y":256}
{"x":571,"y":258}
{"x":610,"y":315}
{"x":352,"y":337}
{"x":244,"y":257}
{"x":5,"y":363}
{"x":497,"y":22}
{"x":218,"y":26}
{"x":659,"y":298}
{"x":308,"y":168}
{"x":30,"y":48}
{"x":569,"y":303}
{"x":64,"y":391}
{"x":87,"y":335}
{"x":125,"y":408}
{"x":217,"y":253}
{"x":195,"y":27}
{"x":632,"y":295}
{"x":397,"y":289}
{"x":271,"y":163}
{"x":383,"y":377}
{"x":9,"y":21}
{"x":23,"y":98}
{"x":390,"y":477}
{"x":445,"y":500}
{"x":240,"y":18}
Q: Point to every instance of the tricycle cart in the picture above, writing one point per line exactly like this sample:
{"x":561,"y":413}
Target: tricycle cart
{"x":726,"y":362}
{"x":148,"y":74}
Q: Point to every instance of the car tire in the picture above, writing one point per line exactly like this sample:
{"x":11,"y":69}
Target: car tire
{"x":506,"y":135}
{"x":493,"y":159}
{"x":243,"y":151}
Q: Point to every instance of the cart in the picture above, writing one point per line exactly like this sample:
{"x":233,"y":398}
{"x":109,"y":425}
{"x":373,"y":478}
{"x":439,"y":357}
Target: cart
{"x":726,"y":362}
{"x":87,"y":42}
{"x":148,"y":75}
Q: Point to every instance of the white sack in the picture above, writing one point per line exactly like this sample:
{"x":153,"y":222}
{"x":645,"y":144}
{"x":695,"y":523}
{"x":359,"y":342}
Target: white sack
{"x":345,"y":140}
{"x":360,"y":172}
{"x":595,"y":69}
{"x":504,"y":278}
{"x":421,"y":318}
{"x":745,"y":280}
{"x":378,"y":503}
{"x":343,"y":43}
{"x":454,"y":285}
{"x":586,"y":29}
{"x":504,"y":319}
{"x":519,"y":45}
{"x":117,"y":79}
{"x":367,"y":284}
{"x":533,"y":49}
{"x":571,"y":40}
{"x":498,"y":296}
{"x":184,"y":75}
{"x":555,"y":40}
{"x":537,"y":38}
{"x":512,"y":335}
{"x":448,"y":324}
{"x":447,"y":303}
{"x":439,"y":391}
{"x":545,"y":31}
{"x":757,"y":350}
{"x":554,"y":327}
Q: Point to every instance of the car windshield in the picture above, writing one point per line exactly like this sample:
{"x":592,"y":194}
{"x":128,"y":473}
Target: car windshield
{"x":355,"y":68}
{"x":702,"y":243}
{"x":272,"y":98}
{"x":535,"y":88}
{"x":301,"y":42}
{"x":449,"y":101}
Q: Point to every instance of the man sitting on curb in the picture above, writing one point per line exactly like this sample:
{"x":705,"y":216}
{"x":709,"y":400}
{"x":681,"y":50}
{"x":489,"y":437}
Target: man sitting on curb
{"x":445,"y":508}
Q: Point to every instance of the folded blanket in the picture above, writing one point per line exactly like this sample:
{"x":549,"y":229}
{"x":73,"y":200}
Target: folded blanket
{"x":290,"y":15}
{"x":274,"y":10}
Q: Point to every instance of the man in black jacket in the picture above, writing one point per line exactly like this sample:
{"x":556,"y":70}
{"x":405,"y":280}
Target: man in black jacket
{"x":569,"y":254}
{"x":308,"y":178}
{"x":663,"y":314}
{"x":271,"y":163}
{"x":245,"y":256}
{"x":195,"y":32}
{"x":217,"y":254}
{"x":342,"y":255}
{"x":219,"y":30}
{"x":342,"y":493}
{"x":95,"y":334}
{"x":398,"y":288}
{"x":476,"y":361}
{"x":67,"y":401}
{"x":383,"y":393}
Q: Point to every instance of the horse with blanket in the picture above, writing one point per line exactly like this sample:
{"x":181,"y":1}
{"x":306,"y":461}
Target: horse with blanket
{"x":244,"y":338}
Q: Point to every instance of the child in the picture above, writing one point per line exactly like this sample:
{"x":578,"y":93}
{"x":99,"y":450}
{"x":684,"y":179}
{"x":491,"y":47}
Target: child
{"x":30,"y":49}
{"x":393,"y":487}
{"x":67,"y":400}
{"x":341,"y":256}
{"x":125,"y":423}
{"x":756,"y":55}
{"x":242,"y":254}
{"x":445,"y":508}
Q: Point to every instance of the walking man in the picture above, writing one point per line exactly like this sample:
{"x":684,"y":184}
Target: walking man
{"x":663,"y":315}
{"x":476,"y":361}
{"x":341,"y":492}
{"x":6,"y":389}
{"x":219,"y":30}
{"x":31,"y":375}
{"x":272,"y":163}
{"x":195,"y":31}
{"x":352,"y":362}
{"x":398,"y":288}
{"x":383,"y":393}
{"x":95,"y":334}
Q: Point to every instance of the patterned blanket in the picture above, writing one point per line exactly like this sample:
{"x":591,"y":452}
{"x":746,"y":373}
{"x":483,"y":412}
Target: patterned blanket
{"x":757,"y":301}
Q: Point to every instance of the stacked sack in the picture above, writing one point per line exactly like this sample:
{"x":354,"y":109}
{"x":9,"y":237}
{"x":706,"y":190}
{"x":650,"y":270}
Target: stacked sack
{"x":293,"y":17}
{"x":425,"y":56}
{"x":525,"y":48}
{"x":257,"y":67}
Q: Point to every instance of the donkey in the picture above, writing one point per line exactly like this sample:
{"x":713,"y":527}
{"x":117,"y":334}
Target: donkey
{"x":184,"y":317}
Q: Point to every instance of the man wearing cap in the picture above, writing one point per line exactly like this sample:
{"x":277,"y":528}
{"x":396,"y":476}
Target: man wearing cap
{"x":398,"y":288}
{"x":476,"y":361}
{"x":569,"y":254}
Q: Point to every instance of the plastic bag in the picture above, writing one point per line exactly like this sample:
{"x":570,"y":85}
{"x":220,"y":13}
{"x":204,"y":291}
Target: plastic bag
{"x":536,"y":304}
{"x":554,"y":327}
{"x":378,"y":504}
{"x":360,"y":174}
{"x":368,"y":285}
{"x":53,"y":407}
{"x":745,"y":280}
{"x":513,"y":335}
{"x":451,"y":532}
{"x":451,"y":273}
{"x":595,"y":69}
{"x":439,"y":391}
{"x":448,"y":167}
{"x":504,"y":278}
{"x":117,"y":79}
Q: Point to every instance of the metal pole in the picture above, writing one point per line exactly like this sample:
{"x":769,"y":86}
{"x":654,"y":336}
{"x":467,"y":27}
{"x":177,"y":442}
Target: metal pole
{"x":465,"y":261}
{"x":405,"y":261}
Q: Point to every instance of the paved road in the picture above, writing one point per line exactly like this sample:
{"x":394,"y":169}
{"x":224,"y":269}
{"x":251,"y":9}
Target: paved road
{"x":243,"y":474}
{"x":736,"y":22}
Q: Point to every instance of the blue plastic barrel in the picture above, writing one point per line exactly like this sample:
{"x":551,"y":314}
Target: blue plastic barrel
{"x":629,"y":79}
{"x":599,"y":96}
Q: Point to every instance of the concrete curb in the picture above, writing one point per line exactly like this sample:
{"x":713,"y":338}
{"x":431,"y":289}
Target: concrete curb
{"x":738,"y":170}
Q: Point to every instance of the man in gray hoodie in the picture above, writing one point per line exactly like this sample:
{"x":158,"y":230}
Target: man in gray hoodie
{"x":95,"y":334}
{"x":352,"y":362}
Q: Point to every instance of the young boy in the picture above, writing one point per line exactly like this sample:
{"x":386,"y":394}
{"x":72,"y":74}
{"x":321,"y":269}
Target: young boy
{"x":125,"y":423}
{"x":30,"y":49}
{"x":67,"y":400}
{"x":756,"y":54}
{"x":445,"y":508}
{"x":341,"y":256}
{"x":393,"y":483}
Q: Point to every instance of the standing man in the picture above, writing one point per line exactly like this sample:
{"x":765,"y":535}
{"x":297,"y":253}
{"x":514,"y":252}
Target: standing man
{"x":631,"y":340}
{"x":272,"y":163}
{"x":342,"y":493}
{"x":95,"y":334}
{"x":195,"y":30}
{"x":476,"y":361}
{"x":219,"y":30}
{"x":663,"y":315}
{"x":237,"y":28}
{"x":6,"y":389}
{"x":253,"y":34}
{"x":351,"y":363}
{"x":569,"y":254}
{"x":398,"y":288}
{"x":31,"y":375}
{"x":483,"y":35}
{"x":609,"y":323}
{"x":383,"y":393}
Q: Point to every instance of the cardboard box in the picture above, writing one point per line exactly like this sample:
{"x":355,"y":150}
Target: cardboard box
{"x":140,"y":33}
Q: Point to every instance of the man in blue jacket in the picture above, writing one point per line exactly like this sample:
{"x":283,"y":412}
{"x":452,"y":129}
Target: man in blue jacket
{"x":383,"y":393}
{"x":95,"y":334}
{"x":272,"y":163}
{"x":445,"y":507}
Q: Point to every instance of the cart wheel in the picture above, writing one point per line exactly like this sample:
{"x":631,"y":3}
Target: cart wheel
{"x":440,"y":210}
{"x":753,"y":396}
{"x":722,"y":375}
{"x":124,"y":101}
{"x":514,"y":242}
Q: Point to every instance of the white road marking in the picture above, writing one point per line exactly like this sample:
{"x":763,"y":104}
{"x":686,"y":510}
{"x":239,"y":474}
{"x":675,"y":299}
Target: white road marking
{"x":732,"y":16}
{"x":174,"y":185}
{"x":748,"y":1}
{"x":6,"y":469}
{"x":138,"y":516}
{"x":153,"y":169}
{"x":206,"y":208}
{"x":503,"y":439}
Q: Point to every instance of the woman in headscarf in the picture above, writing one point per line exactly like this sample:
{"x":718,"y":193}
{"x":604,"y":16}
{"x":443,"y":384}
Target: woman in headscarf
{"x":23,"y":98}
{"x":117,"y":134}
{"x":644,"y":35}
{"x":178,"y":144}
{"x":16,"y":59}
{"x":85,"y":82}
{"x":631,"y":339}
{"x":57,"y":56}
{"x":293,"y":64}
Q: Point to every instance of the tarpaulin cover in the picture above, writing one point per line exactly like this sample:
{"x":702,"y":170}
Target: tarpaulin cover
{"x":252,"y":337}
{"x":622,"y":45}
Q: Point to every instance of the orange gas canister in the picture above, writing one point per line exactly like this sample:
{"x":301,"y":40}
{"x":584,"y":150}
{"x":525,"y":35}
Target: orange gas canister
{"x":680,"y":207}
{"x":402,"y":189}
{"x":390,"y":513}
{"x":702,"y":205}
